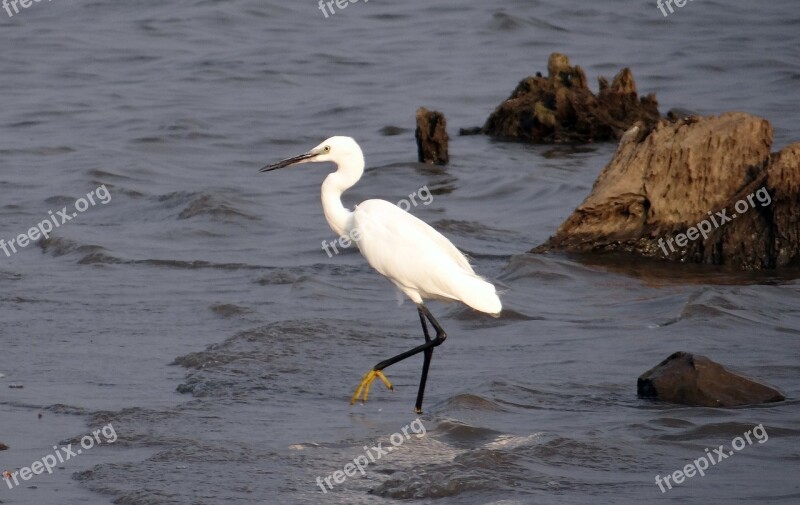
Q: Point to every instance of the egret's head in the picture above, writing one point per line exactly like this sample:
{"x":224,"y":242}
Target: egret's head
{"x":335,"y":149}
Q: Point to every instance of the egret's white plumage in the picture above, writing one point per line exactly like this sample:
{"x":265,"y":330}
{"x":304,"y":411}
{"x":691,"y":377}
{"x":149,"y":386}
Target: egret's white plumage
{"x":419,"y":260}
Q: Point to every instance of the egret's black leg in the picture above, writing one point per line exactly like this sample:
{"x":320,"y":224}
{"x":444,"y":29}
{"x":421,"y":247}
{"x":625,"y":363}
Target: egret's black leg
{"x":439,"y":330}
{"x":440,"y":337}
{"x":427,"y":348}
{"x":424,"y":326}
{"x":425,"y":364}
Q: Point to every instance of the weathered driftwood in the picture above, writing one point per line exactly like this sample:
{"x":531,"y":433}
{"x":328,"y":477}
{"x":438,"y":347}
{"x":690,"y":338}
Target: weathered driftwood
{"x":562,"y":108}
{"x":431,"y":135}
{"x":701,"y":190}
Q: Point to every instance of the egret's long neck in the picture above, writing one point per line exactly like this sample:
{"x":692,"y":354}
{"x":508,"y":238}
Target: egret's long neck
{"x":348,"y":173}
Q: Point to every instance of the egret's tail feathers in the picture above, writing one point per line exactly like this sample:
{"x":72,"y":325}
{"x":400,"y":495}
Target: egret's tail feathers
{"x":480,"y":294}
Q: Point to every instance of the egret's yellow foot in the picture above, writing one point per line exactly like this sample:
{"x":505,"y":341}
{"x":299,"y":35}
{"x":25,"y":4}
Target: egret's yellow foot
{"x":366,"y":383}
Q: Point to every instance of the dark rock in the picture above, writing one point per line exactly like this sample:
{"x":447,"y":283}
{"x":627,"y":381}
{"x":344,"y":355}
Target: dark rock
{"x":431,"y":137}
{"x":677,"y":113}
{"x":228,"y":310}
{"x":696,"y":380}
{"x":562,"y":108}
{"x":660,"y":188}
{"x":3,"y":447}
{"x":391,"y":131}
{"x":472,"y":130}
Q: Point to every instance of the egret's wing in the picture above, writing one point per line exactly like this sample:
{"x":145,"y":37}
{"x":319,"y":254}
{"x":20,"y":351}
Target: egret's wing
{"x":394,"y":220}
{"x":409,"y":251}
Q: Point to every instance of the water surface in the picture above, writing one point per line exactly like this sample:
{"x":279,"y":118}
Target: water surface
{"x":197,"y":313}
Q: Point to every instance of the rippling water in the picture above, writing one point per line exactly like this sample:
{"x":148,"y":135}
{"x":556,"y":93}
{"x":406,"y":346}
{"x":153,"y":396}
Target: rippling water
{"x":197,"y":313}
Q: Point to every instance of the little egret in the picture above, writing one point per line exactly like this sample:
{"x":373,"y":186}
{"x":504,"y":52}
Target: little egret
{"x":419,"y":260}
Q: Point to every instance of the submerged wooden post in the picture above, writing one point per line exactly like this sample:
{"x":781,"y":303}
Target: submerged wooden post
{"x":431,"y":137}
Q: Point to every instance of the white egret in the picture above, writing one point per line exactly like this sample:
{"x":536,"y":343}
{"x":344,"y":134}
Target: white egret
{"x":419,"y":260}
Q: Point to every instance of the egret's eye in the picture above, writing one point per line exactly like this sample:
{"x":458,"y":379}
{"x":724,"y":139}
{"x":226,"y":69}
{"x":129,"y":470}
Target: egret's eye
{"x":326,"y":149}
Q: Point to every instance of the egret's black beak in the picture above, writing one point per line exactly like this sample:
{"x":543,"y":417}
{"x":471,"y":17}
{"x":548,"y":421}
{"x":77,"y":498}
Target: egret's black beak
{"x":290,"y":161}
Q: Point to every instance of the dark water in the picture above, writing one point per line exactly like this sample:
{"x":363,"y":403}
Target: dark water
{"x":196,"y":313}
